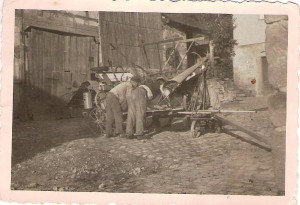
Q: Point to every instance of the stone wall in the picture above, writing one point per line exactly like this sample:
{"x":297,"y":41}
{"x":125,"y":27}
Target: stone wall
{"x":276,"y":50}
{"x":171,"y":33}
{"x":225,"y":89}
{"x":276,"y":53}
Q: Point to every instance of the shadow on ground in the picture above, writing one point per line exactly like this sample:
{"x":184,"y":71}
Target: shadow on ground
{"x":31,"y":138}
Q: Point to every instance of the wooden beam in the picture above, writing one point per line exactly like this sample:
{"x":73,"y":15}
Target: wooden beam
{"x":201,"y":39}
{"x":65,"y":27}
{"x":203,"y":42}
{"x":160,"y":68}
{"x":100,"y":53}
{"x":216,"y":111}
{"x":198,"y":40}
{"x":161,"y":42}
{"x":262,"y":146}
{"x":211,"y":56}
{"x":242,"y":128}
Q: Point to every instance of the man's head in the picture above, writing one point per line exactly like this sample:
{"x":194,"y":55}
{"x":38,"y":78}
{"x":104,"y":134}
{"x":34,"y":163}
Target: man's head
{"x":135,"y":80}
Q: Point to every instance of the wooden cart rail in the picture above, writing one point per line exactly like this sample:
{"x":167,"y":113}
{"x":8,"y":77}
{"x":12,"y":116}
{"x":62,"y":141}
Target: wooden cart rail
{"x":205,"y":116}
{"x":215,"y":111}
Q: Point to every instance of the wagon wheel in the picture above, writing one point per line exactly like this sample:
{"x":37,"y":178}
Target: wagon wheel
{"x":100,"y":100}
{"x":95,"y":119}
{"x":218,"y":129}
{"x":197,"y":129}
{"x":218,"y":126}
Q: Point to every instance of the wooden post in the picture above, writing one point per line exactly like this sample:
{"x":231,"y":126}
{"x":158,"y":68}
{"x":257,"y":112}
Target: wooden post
{"x":146,"y":57}
{"x":204,"y":90}
{"x":25,"y":91}
{"x":100,"y":60}
{"x":212,"y":57}
{"x":160,"y":68}
{"x":173,"y":53}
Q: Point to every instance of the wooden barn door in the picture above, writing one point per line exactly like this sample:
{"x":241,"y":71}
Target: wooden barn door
{"x":81,"y":55}
{"x":45,"y":63}
{"x":55,"y":62}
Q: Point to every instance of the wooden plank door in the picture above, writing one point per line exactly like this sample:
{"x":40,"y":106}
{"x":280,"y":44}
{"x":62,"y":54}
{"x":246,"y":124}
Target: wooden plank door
{"x":45,"y":63}
{"x":83,"y":55}
{"x":55,"y":62}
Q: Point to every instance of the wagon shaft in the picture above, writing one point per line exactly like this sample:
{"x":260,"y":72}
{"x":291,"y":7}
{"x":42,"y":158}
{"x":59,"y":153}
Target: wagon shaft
{"x":240,"y":127}
{"x":215,"y":111}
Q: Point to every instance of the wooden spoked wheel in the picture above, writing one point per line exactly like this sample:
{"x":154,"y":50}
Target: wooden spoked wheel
{"x":96,"y":120}
{"x":100,"y":100}
{"x":197,"y":129}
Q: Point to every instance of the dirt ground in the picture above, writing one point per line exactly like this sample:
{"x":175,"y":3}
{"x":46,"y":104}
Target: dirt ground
{"x":64,"y":155}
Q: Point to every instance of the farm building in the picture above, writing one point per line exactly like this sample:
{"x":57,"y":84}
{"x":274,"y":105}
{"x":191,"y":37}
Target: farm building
{"x":55,"y":50}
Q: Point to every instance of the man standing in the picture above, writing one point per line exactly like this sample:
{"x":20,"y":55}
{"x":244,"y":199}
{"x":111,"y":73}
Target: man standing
{"x":116,"y":99}
{"x":137,"y":106}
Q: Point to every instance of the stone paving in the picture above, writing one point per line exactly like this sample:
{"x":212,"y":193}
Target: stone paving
{"x":214,"y":163}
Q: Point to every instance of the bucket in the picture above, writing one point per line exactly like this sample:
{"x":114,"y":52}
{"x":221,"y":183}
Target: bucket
{"x":87,"y":100}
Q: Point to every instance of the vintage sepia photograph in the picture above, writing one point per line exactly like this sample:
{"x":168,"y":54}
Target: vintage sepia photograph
{"x":140,"y":102}
{"x":149,"y":102}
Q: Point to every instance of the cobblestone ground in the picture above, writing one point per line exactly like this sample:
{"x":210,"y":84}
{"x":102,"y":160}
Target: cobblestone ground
{"x":212,"y":164}
{"x":215,"y":163}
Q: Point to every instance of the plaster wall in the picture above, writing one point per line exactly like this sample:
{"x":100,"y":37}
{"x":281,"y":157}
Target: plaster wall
{"x":250,"y":29}
{"x":250,"y":36}
{"x":244,"y":64}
